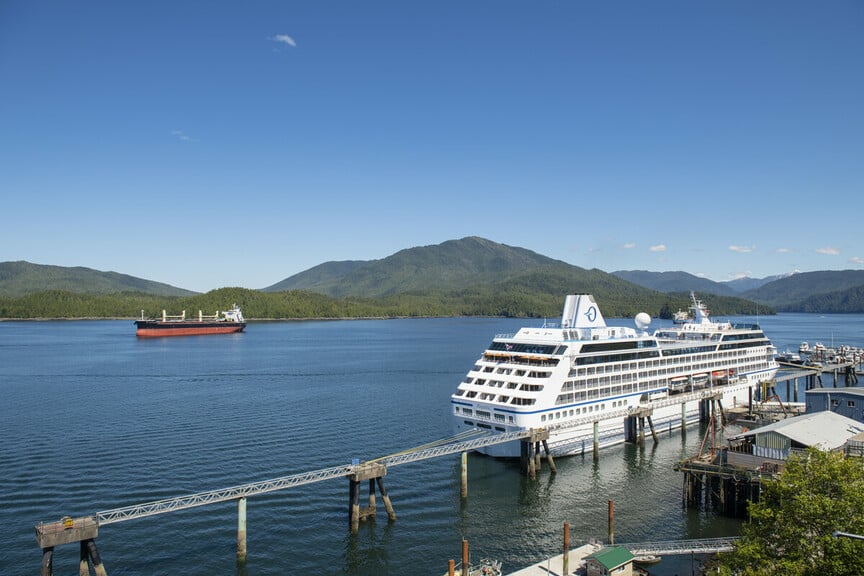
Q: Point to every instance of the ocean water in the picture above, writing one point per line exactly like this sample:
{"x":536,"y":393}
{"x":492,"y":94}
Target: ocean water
{"x":93,"y":418}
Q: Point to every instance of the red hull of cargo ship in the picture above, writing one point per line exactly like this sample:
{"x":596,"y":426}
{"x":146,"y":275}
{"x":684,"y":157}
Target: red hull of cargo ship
{"x":160,"y":330}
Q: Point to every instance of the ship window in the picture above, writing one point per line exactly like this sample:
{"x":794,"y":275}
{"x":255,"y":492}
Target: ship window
{"x":543,"y":418}
{"x":499,"y":417}
{"x":471,"y":394}
{"x":499,"y":428}
{"x":484,"y":414}
{"x":503,"y":399}
{"x":510,"y":419}
{"x":835,"y":403}
{"x":486,"y":426}
{"x":469,"y":423}
{"x":850,"y":403}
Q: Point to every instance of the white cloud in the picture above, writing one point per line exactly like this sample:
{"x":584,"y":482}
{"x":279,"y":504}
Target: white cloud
{"x":658,"y":248}
{"x":783,"y":250}
{"x":741,"y":249}
{"x":857,"y":260}
{"x":180,"y":135}
{"x":630,"y":245}
{"x":284,"y":39}
{"x":828,"y":251}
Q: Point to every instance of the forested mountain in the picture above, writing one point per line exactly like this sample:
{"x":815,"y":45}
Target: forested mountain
{"x":21,"y":278}
{"x":826,"y":292}
{"x":452,"y":265}
{"x":675,"y":282}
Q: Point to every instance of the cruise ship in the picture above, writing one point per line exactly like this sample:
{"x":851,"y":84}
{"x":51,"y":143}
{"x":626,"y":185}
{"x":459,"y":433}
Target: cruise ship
{"x":581,"y":374}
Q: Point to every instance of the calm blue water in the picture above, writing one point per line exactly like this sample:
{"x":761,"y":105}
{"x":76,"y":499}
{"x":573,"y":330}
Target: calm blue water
{"x":93,"y":418}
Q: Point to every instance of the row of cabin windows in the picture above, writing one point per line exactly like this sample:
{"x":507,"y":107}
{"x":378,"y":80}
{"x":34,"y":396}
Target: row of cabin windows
{"x":487,"y":397}
{"x":580,"y":411}
{"x":694,"y":363}
{"x":849,"y":403}
{"x":482,"y":414}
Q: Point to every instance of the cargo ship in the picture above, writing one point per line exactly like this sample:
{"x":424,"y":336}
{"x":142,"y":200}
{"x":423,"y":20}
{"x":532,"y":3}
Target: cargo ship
{"x":226,"y":322}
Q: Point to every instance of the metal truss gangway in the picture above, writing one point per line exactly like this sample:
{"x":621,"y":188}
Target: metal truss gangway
{"x":294,"y":480}
{"x":673,"y":547}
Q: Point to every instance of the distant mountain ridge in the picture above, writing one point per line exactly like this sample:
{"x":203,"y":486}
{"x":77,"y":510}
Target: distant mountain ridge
{"x":21,"y":278}
{"x":478,"y":274}
{"x":832,"y":292}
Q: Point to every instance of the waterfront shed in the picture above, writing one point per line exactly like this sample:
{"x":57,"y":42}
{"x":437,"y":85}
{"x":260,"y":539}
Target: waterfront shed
{"x":848,"y":402}
{"x":824,"y":430}
{"x":611,"y":560}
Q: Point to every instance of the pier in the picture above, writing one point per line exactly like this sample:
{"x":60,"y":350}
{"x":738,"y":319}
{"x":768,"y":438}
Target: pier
{"x":534,"y":443}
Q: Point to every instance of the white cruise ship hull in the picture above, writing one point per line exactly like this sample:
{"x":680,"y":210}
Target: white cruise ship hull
{"x":585,"y":382}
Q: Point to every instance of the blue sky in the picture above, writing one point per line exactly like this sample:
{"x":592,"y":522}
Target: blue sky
{"x":208,"y":144}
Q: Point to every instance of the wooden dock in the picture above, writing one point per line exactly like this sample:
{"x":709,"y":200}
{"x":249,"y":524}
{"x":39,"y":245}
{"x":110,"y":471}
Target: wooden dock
{"x":555,"y":566}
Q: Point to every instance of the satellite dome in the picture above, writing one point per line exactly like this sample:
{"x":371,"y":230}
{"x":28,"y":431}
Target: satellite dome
{"x":643,"y":320}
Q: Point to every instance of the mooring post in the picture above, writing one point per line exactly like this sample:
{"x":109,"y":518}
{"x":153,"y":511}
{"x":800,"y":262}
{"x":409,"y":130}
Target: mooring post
{"x":465,"y":567}
{"x":566,"y":559}
{"x":451,"y":568}
{"x":241,"y":529}
{"x":596,"y":440}
{"x":464,"y":492}
{"x":683,"y":419}
{"x":641,"y":439}
{"x":532,"y":462}
{"x":83,"y":565}
{"x":611,"y":522}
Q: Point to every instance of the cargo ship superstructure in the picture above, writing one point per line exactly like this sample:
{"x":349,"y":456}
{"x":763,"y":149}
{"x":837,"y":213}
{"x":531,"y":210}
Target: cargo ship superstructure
{"x":582,"y":377}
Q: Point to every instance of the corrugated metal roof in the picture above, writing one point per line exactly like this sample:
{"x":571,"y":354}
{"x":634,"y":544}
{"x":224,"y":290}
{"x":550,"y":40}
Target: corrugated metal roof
{"x":826,"y":429}
{"x":613,"y":556}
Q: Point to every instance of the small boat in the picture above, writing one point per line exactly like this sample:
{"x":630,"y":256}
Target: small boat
{"x":804,"y":348}
{"x":486,"y":567}
{"x":681,"y":317}
{"x":226,"y":322}
{"x":647,"y":559}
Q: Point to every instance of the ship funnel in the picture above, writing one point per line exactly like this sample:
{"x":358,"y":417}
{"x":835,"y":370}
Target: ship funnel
{"x":581,"y":311}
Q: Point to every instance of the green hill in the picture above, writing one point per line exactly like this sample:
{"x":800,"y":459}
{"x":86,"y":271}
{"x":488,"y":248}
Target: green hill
{"x":452,"y":265}
{"x":824,"y":292}
{"x":22,"y":278}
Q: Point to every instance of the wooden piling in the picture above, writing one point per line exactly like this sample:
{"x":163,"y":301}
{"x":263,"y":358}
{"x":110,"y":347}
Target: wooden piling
{"x":451,"y":568}
{"x":566,"y":558}
{"x":391,"y":515}
{"x":465,"y":566}
{"x":611,"y":522}
{"x":47,"y":562}
{"x":549,"y":458}
{"x":372,"y":497}
{"x":653,"y":432}
{"x":464,"y":492}
{"x":354,"y":505}
{"x":683,"y":419}
{"x":98,"y":567}
{"x":83,"y":562}
{"x":241,"y":529}
{"x":596,"y":440}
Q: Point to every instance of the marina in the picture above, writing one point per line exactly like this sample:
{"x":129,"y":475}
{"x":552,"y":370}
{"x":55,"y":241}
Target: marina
{"x":506,"y":516}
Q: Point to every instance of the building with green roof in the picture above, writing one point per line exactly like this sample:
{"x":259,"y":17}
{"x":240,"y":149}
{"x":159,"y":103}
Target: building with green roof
{"x":611,"y":560}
